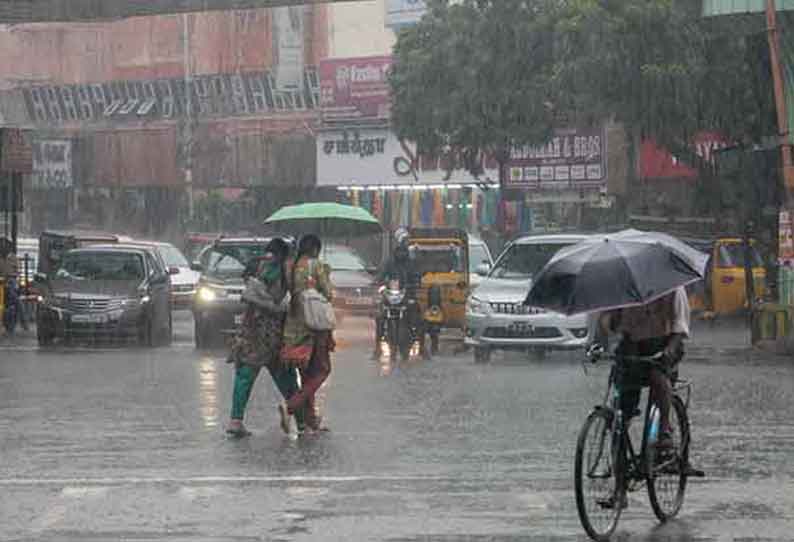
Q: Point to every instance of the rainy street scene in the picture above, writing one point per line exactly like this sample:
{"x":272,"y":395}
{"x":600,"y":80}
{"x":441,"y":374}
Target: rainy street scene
{"x":397,"y":270}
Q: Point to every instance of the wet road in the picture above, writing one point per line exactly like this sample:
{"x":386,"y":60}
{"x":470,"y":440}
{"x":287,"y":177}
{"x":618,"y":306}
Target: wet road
{"x":127,"y":444}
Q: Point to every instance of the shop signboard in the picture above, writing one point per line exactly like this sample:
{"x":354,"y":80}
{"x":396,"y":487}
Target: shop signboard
{"x":16,"y":154}
{"x":572,"y":159}
{"x":52,"y":164}
{"x":786,"y":237}
{"x":375,"y":156}
{"x":355,"y":88}
{"x":213,"y":95}
{"x":400,"y":13}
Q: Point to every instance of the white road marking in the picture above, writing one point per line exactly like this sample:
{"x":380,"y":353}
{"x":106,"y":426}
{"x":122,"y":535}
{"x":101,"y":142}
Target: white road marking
{"x":208,"y":480}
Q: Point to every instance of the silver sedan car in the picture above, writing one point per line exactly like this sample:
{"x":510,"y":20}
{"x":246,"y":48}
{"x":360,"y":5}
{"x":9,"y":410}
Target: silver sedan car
{"x":496,"y":317}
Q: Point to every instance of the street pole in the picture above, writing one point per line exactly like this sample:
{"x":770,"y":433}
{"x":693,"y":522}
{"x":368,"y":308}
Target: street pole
{"x":780,"y":100}
{"x":187,"y":136}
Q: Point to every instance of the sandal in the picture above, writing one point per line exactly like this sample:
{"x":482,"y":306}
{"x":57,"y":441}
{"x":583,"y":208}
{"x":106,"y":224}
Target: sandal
{"x":236,"y":429}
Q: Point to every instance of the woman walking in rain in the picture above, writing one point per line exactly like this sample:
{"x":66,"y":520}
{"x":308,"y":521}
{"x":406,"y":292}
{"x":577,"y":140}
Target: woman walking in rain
{"x":259,"y":342}
{"x":308,"y":349}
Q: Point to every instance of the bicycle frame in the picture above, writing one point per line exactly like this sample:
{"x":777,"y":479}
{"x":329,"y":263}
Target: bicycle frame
{"x":629,"y":463}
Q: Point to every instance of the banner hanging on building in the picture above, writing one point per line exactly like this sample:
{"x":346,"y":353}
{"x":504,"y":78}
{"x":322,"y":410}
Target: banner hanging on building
{"x":217,"y":95}
{"x":355,"y":88}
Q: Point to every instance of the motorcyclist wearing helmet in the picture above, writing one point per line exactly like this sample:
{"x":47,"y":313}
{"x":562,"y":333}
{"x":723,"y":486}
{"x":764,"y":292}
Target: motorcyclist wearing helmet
{"x":401,"y":266}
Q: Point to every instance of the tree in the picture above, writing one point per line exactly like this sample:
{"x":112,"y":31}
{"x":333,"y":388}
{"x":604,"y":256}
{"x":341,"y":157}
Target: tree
{"x":664,"y":71}
{"x":472,"y":76}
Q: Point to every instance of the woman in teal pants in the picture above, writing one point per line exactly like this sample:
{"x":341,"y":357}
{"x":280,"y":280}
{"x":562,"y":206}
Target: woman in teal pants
{"x":259,"y":342}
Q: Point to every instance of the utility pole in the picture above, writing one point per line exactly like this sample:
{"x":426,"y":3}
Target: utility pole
{"x":780,"y":100}
{"x":187,"y":131}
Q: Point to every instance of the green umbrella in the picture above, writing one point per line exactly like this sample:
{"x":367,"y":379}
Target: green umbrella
{"x":324,"y":219}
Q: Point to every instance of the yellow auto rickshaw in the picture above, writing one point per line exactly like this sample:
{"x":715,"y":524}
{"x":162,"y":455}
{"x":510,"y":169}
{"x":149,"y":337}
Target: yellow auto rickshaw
{"x":723,"y":289}
{"x":441,"y":257}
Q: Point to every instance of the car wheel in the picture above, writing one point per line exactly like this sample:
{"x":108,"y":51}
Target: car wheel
{"x":198,"y":333}
{"x":145,"y":333}
{"x":482,"y":354}
{"x":169,"y":331}
{"x":44,"y":334}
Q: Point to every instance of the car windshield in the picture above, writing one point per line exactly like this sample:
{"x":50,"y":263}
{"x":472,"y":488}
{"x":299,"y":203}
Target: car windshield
{"x":342,"y":258}
{"x":732,"y":255}
{"x":524,"y":261}
{"x":438,"y":258}
{"x":126,"y":266}
{"x":478,"y":255}
{"x":172,"y":256}
{"x":224,"y":261}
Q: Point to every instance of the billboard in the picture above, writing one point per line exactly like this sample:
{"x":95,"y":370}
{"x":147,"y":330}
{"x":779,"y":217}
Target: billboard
{"x":214,"y":95}
{"x":404,"y":12}
{"x":355,"y":88}
{"x":573,"y":158}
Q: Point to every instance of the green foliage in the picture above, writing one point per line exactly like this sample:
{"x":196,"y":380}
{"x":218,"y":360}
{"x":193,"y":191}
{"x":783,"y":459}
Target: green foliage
{"x":473,"y":76}
{"x":663,"y":70}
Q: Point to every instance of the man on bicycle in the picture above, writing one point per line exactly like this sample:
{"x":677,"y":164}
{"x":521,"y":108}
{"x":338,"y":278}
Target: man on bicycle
{"x":659,"y":326}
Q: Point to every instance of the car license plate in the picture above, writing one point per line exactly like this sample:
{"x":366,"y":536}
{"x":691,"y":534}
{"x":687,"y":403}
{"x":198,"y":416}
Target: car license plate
{"x":359,"y":301}
{"x":238,"y":319}
{"x":89,"y":318}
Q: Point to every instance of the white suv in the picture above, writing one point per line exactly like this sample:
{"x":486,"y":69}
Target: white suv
{"x":496,"y":317}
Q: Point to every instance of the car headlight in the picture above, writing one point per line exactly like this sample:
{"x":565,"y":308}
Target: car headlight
{"x":476,"y":305}
{"x":208,"y":294}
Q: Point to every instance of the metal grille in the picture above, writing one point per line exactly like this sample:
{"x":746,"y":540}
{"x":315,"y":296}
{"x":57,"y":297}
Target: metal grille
{"x":92,"y":305}
{"x":515,"y":308}
{"x":183,"y":288}
{"x":524,"y":332}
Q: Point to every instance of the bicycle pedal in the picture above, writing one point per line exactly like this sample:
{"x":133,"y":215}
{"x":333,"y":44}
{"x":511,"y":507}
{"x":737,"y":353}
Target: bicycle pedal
{"x":692,"y":472}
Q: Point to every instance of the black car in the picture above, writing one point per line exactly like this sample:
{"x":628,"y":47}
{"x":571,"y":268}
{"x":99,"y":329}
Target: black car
{"x":356,"y":293}
{"x":106,"y":292}
{"x":217,"y":305}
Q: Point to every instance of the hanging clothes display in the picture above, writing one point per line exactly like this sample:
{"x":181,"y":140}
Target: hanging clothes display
{"x":405,"y":208}
{"x":377,"y":206}
{"x":438,"y":209}
{"x":427,"y":208}
{"x":416,"y":208}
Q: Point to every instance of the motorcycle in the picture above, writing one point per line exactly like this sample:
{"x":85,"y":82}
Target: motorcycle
{"x":396,"y":310}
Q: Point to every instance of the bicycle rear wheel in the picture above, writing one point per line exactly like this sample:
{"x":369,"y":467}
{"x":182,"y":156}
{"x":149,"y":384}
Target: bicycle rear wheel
{"x":598,"y":498}
{"x":667,"y":474}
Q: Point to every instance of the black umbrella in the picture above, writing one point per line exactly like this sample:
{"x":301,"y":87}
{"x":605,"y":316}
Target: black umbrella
{"x":610,"y":273}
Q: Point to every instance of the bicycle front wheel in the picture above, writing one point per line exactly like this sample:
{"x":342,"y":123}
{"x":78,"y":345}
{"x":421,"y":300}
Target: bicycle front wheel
{"x":598,"y":495}
{"x":667,"y":474}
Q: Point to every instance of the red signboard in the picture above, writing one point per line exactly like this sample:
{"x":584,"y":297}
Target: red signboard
{"x":658,"y":163}
{"x":355,"y":88}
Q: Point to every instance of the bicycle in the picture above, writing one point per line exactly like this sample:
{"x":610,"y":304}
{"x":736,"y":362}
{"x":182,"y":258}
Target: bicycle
{"x":614,"y":468}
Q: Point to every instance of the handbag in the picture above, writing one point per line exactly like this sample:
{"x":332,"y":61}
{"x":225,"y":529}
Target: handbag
{"x":318,"y":312}
{"x":296,"y":356}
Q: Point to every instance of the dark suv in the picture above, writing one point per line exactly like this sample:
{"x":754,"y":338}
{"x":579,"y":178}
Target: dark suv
{"x":217,"y":305}
{"x":106,"y":292}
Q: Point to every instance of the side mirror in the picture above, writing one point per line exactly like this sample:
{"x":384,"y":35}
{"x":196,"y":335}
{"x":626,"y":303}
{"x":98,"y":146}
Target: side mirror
{"x":483,"y":269}
{"x":40,"y":278}
{"x":173,"y":270}
{"x":372,"y":269}
{"x":196,"y":266}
